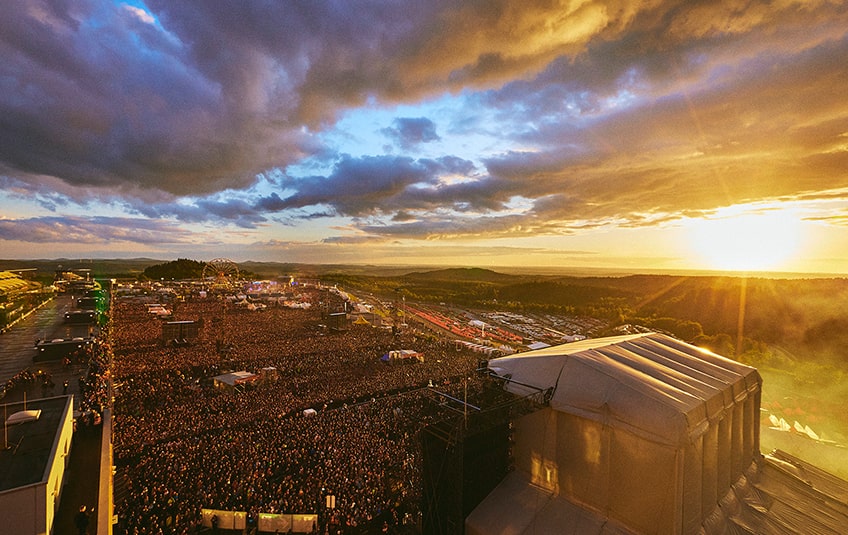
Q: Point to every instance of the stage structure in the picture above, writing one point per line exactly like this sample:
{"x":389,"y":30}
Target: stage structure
{"x":337,"y":321}
{"x":467,"y":454}
{"x":180,"y":333}
{"x":643,"y":434}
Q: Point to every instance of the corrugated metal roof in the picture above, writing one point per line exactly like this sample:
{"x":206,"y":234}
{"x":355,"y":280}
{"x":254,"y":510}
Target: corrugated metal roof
{"x":9,"y":282}
{"x":782,"y":494}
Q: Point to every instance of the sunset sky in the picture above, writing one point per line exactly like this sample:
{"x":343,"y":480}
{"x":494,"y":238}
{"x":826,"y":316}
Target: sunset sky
{"x":651,"y":135}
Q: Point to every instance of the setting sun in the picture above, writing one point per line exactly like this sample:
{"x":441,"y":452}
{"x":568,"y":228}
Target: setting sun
{"x":747,"y":241}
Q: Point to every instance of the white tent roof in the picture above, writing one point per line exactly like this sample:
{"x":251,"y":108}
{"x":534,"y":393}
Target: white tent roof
{"x":653,"y":385}
{"x":235,"y":377}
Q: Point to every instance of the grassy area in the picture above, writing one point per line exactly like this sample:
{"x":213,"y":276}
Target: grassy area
{"x":812,"y":394}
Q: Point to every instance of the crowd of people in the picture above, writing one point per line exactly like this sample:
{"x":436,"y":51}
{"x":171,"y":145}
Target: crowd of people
{"x":181,"y":444}
{"x":94,"y":384}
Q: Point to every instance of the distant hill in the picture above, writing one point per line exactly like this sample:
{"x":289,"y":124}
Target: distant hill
{"x":461,"y":274}
{"x":100,"y":268}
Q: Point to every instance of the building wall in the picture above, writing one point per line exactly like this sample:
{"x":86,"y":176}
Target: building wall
{"x":30,"y":510}
{"x":23,"y":510}
{"x":58,"y":463}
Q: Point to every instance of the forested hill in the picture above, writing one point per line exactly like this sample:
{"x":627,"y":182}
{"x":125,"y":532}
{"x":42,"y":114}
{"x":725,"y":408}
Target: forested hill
{"x":461,"y":274}
{"x":804,"y":314}
{"x":803,"y":311}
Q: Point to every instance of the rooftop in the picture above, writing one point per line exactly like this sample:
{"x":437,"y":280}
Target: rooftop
{"x":24,"y":461}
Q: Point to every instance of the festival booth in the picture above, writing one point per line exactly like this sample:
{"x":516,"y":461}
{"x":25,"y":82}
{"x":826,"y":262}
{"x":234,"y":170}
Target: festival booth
{"x":360,"y":320}
{"x":268,"y":374}
{"x":402,"y":356}
{"x":644,"y":434}
{"x":232,"y":381}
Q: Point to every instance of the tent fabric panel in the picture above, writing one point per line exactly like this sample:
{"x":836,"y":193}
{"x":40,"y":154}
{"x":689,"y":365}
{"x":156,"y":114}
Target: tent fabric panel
{"x":691,"y":357}
{"x":834,"y":488}
{"x":689,"y":363}
{"x":709,"y":470}
{"x":750,"y":444}
{"x":583,"y":461}
{"x":509,"y":509}
{"x":692,"y":475}
{"x":707,"y":394}
{"x":604,"y":379}
{"x":695,"y":357}
{"x":777,"y":495}
{"x":595,"y":386}
{"x":646,"y":385}
{"x":576,"y":347}
{"x":541,"y":371}
{"x":643,"y":489}
{"x":565,"y":518}
{"x":737,"y":460}
{"x":724,"y":468}
{"x":535,"y":449}
{"x":753,"y":381}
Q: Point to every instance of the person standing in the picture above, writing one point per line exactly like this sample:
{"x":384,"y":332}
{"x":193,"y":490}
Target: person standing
{"x":81,"y":520}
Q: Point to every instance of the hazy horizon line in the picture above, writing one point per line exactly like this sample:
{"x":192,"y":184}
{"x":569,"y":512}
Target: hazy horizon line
{"x":583,"y":271}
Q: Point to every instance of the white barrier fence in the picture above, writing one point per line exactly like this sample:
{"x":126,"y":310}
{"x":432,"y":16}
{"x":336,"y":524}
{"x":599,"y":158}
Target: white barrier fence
{"x":267,"y":522}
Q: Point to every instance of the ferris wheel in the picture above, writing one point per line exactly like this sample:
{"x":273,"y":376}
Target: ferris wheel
{"x":221,"y":271}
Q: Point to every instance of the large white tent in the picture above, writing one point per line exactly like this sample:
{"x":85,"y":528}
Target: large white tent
{"x":644,"y":434}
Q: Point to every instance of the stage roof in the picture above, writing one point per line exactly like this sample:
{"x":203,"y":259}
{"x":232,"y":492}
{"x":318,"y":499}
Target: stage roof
{"x":235,"y":378}
{"x":655,"y":386}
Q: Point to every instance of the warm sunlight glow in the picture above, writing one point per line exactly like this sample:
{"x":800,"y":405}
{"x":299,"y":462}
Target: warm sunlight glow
{"x":747,"y":241}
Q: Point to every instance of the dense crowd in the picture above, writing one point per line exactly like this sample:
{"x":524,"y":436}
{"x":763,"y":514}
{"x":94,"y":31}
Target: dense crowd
{"x":181,"y":444}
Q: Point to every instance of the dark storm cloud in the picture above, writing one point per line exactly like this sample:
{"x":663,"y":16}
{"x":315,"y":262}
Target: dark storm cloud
{"x":409,"y":132}
{"x":96,"y":97}
{"x":742,"y":139}
{"x":643,"y":139}
{"x":608,"y":111}
{"x":235,"y":211}
{"x":201,"y":97}
{"x":371,"y":185}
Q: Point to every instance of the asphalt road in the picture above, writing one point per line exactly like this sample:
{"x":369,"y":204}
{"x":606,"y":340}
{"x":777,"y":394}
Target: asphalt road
{"x":17,"y":344}
{"x":17,"y":351}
